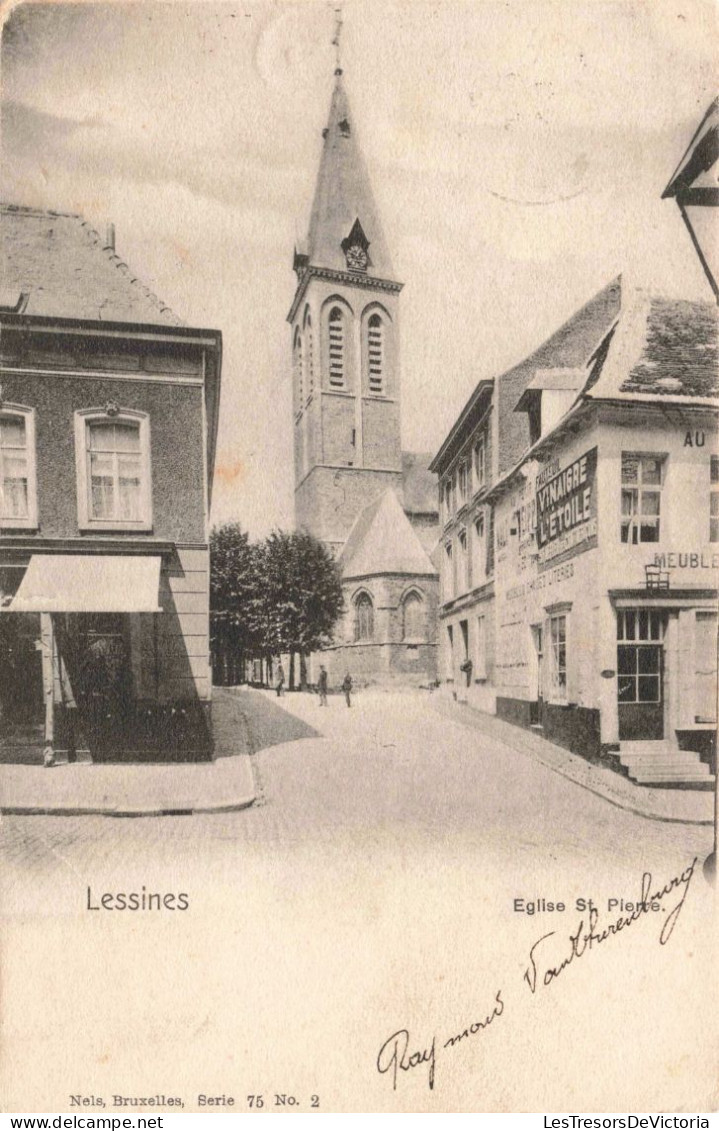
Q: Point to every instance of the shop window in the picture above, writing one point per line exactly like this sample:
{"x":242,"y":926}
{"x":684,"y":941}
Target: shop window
{"x":18,"y":498}
{"x":113,"y":470}
{"x":413,"y":617}
{"x":640,"y":633}
{"x":558,"y":657}
{"x":364,"y":617}
{"x":479,"y":458}
{"x":714,"y":499}
{"x":642,"y":481}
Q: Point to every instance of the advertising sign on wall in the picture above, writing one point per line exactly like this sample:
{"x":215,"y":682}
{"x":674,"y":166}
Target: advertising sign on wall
{"x":567,"y":507}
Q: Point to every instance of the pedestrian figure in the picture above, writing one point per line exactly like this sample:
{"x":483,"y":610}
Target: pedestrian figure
{"x":322,"y":686}
{"x":280,"y":679}
{"x":347,"y":688}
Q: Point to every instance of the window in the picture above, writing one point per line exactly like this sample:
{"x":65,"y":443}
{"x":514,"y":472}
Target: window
{"x":639,"y":655}
{"x":479,"y":463}
{"x":309,"y":368}
{"x":479,"y":562}
{"x":448,"y":498}
{"x":558,"y":656}
{"x":462,"y":481}
{"x":375,"y":354}
{"x":113,"y":470}
{"x":337,"y":348}
{"x":463,"y":563}
{"x":18,"y":501}
{"x":413,"y":617}
{"x":364,"y":617}
{"x":642,"y":479}
{"x":448,"y":573}
{"x":714,"y":499}
{"x":480,"y":668}
{"x":297,"y":367}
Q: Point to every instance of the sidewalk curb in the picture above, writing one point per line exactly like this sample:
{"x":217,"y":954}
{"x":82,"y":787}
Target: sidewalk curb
{"x":119,"y":811}
{"x":599,"y":789}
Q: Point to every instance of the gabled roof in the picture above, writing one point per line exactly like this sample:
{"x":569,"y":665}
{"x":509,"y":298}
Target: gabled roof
{"x":67,"y":270}
{"x":383,"y":541}
{"x":663,"y":348}
{"x":695,"y":179}
{"x":343,"y":195}
{"x":419,"y":484}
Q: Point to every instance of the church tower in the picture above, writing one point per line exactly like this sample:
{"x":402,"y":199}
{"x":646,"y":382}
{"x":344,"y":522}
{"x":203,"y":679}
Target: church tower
{"x":345,"y":366}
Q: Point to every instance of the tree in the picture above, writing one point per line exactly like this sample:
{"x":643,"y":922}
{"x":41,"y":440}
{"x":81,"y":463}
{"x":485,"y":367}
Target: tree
{"x":236,"y":607}
{"x":302,"y":595}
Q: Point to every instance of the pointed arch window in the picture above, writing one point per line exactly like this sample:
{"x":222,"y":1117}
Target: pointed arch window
{"x":413,"y":617}
{"x":336,"y":326}
{"x":375,"y":354}
{"x":297,"y":368}
{"x":364,"y":617}
{"x":309,"y":371}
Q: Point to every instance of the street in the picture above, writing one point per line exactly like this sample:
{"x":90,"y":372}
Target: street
{"x":371,"y":887}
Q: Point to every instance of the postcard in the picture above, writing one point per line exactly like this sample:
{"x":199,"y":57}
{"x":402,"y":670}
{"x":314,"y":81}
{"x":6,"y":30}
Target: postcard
{"x":359,"y":546}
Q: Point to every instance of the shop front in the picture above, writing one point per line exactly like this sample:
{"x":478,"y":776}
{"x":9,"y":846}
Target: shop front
{"x":81,"y":664}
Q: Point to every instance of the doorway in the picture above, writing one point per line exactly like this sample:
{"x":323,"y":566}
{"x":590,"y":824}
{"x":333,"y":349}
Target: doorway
{"x":536,"y":703}
{"x":640,"y":673}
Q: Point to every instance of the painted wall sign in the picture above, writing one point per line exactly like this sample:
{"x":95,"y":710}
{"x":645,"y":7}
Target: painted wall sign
{"x":567,"y":507}
{"x":695,"y":560}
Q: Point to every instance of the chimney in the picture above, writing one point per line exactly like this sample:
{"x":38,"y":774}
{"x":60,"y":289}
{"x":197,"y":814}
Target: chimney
{"x":110,"y":237}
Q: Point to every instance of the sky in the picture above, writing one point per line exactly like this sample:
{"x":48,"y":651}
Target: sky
{"x":517,"y":150}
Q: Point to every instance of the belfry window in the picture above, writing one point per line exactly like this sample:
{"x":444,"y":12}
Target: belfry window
{"x":337,"y":348}
{"x":375,"y":354}
{"x":309,"y":374}
{"x":297,"y":366}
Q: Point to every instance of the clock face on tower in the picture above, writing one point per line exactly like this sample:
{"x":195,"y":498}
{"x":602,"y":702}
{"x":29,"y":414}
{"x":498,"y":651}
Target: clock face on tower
{"x":356,"y":257}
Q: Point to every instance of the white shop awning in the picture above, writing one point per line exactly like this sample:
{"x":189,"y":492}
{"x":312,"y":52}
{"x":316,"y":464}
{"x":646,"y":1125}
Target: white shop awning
{"x":89,"y":583}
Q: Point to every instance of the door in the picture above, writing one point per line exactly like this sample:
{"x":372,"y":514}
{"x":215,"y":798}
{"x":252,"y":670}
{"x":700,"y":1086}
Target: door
{"x":22,"y":709}
{"x":536,"y":705}
{"x":640,"y":673}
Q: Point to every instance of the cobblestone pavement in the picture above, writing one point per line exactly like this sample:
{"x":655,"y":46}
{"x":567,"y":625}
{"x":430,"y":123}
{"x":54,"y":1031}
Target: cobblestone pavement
{"x":372,"y":886}
{"x":390,"y":773}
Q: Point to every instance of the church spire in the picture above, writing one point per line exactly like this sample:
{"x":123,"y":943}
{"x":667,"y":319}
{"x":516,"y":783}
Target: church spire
{"x":344,"y":214}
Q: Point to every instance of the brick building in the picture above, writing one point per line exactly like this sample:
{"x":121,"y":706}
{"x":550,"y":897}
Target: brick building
{"x":108,"y":415}
{"x":351,"y":474}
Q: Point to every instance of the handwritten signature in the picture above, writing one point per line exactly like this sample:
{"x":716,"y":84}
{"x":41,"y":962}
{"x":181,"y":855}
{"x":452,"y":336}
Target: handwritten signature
{"x":395,"y":1056}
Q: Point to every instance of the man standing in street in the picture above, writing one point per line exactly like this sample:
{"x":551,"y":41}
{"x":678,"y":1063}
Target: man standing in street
{"x":347,"y":688}
{"x":322,"y":686}
{"x":280,"y":683}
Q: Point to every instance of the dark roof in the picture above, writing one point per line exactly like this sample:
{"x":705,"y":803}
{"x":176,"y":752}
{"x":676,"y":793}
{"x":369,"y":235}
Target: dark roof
{"x":700,"y":157}
{"x":67,"y":270}
{"x":419,"y":483}
{"x":663,"y":347}
{"x":343,"y":195}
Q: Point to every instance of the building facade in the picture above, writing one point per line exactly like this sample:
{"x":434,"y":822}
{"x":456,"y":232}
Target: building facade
{"x":606,"y":557}
{"x":344,"y":323}
{"x":108,"y":413}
